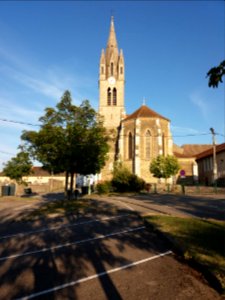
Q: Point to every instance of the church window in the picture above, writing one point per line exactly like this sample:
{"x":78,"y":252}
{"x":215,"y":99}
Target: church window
{"x":102,"y":70}
{"x":114,"y":96}
{"x":111,"y":68}
{"x":121,"y":70}
{"x":109,"y":96}
{"x":130,"y":146}
{"x":163,"y":144}
{"x":147,"y":144}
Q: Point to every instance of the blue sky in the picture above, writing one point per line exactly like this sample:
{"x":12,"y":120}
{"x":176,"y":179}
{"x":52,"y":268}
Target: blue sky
{"x":48,"y":47}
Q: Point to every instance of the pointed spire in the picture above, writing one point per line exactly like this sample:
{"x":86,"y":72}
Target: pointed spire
{"x":112,"y":42}
{"x":121,"y":59}
{"x":102,"y":59}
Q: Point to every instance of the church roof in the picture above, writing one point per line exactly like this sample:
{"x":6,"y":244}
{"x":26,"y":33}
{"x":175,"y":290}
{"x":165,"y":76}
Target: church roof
{"x":144,"y":112}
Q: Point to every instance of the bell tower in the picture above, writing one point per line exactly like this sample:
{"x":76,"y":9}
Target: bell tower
{"x":111,"y":82}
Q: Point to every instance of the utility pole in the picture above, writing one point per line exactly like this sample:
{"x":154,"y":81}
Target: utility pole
{"x":214,"y":156}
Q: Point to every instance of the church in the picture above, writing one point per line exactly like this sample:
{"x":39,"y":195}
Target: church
{"x":136,"y":138}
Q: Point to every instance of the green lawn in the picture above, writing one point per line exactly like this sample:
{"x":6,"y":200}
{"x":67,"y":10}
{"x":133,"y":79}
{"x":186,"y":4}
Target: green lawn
{"x":201,"y":240}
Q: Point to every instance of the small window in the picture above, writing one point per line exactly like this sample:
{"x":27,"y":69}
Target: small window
{"x":111,"y":70}
{"x":102,"y":70}
{"x":121,"y":70}
{"x":114,"y":96}
{"x":147,"y":144}
{"x":130,"y":146}
{"x":109,"y":96}
{"x":163,"y":144}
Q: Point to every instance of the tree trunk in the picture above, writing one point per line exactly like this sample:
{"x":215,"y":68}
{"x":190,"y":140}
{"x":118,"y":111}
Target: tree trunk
{"x":66,"y":182}
{"x":71,"y":185}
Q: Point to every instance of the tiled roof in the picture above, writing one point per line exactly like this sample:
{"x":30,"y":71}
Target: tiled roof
{"x":38,"y":172}
{"x":195,"y":149}
{"x":144,"y":112}
{"x":209,"y":152}
{"x":181,"y":155}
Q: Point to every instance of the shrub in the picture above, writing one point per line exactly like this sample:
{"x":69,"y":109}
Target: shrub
{"x":124,"y":181}
{"x":104,"y":187}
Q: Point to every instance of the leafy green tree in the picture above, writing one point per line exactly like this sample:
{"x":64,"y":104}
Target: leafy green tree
{"x":215,"y":75}
{"x":71,"y":139}
{"x":164,"y":166}
{"x":18,"y":167}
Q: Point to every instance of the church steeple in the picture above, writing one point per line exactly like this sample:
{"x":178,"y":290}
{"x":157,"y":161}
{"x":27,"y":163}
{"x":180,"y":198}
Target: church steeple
{"x":112,"y":48}
{"x":111,"y":81}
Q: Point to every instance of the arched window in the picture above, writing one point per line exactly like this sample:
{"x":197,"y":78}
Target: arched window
{"x":102,"y":70}
{"x":130,"y":146}
{"x":109,"y":96}
{"x":121,"y":70}
{"x":147,"y":144}
{"x":111,"y":69}
{"x":114,"y":96}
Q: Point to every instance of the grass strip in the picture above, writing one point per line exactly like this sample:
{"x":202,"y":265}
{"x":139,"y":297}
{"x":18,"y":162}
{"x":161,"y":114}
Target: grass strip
{"x":200,"y":240}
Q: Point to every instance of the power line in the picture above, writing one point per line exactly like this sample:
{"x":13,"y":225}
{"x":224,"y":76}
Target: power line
{"x":8,"y":153}
{"x":18,"y":122}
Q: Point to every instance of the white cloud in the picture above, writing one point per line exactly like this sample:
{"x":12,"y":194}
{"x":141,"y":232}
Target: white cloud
{"x":201,"y":103}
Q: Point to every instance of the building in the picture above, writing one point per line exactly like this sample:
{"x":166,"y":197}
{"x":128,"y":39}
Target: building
{"x":186,"y":155}
{"x":136,"y":138}
{"x":205,"y":165}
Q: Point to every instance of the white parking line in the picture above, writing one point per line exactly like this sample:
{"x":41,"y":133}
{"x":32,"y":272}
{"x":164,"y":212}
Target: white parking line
{"x":21,"y":234}
{"x":127,"y":206}
{"x":71,"y":244}
{"x":54,"y":289}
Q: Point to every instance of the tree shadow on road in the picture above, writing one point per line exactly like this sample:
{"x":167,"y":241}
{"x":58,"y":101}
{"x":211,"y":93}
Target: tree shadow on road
{"x":52,"y":257}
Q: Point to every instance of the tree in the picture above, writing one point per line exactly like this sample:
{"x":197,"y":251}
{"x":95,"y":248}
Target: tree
{"x":71,"y":139}
{"x":164,"y":166}
{"x":18,"y":167}
{"x":215,"y":75}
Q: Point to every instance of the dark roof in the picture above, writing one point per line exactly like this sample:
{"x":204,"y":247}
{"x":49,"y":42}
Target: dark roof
{"x":209,"y":152}
{"x":144,"y":112}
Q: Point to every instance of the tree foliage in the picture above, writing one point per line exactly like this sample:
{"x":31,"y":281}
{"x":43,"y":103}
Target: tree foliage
{"x":71,"y":139}
{"x":164,"y":166}
{"x":18,"y":167}
{"x":124,"y":181}
{"x":215,"y":75}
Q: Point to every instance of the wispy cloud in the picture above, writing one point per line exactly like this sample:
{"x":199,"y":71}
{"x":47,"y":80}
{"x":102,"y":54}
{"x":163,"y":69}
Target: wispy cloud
{"x":184,"y":130}
{"x":198,"y":100}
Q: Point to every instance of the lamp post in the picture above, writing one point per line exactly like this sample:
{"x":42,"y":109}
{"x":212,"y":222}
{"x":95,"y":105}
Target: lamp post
{"x":214,"y":156}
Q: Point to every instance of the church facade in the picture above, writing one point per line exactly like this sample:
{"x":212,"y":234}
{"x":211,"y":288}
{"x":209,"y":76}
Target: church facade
{"x":137,"y":138}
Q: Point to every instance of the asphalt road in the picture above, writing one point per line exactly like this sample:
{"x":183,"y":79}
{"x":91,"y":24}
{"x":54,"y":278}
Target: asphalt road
{"x":212,"y":207}
{"x":106,"y":254}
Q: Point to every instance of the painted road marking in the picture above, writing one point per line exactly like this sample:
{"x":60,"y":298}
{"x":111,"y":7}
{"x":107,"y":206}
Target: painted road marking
{"x":71,"y":244}
{"x":72,"y":283}
{"x":21,"y":234}
{"x":127,"y":206}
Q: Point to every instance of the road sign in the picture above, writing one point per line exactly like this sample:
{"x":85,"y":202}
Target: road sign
{"x":182,"y":173}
